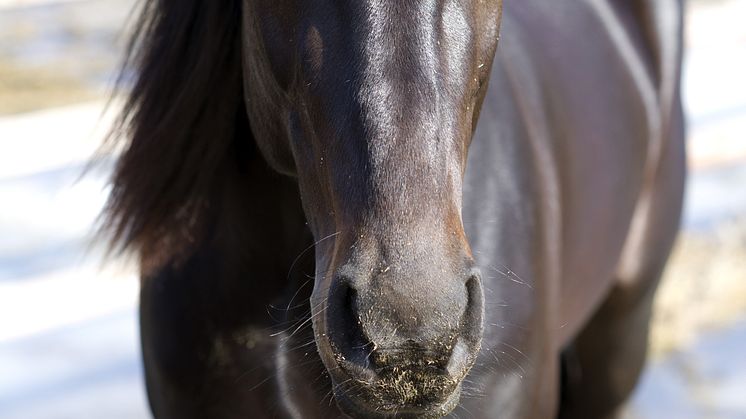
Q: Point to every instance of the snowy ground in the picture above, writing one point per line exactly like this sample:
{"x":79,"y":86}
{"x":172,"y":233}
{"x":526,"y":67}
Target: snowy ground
{"x":68,"y":333}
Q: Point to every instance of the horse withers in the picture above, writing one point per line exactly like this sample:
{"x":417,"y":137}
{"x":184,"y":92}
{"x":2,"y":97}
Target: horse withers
{"x":358,"y":208}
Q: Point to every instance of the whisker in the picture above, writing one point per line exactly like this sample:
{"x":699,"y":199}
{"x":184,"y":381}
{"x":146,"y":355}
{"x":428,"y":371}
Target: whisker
{"x":295,"y":348}
{"x":517,"y":350}
{"x":511,"y":276}
{"x":297,"y":258}
{"x":303,"y":321}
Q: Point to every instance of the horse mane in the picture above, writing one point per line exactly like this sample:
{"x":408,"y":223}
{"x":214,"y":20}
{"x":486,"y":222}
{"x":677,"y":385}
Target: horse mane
{"x":181,"y":123}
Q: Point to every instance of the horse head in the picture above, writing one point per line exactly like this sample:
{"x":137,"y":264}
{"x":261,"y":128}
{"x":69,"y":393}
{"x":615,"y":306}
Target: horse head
{"x":371,"y":105}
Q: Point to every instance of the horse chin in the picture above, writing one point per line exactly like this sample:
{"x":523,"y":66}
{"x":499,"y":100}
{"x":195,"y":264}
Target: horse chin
{"x":355,"y":407}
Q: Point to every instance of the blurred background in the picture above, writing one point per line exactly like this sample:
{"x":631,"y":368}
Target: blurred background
{"x":68,"y":331}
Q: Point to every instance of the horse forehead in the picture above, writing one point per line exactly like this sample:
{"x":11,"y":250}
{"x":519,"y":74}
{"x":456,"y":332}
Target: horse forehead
{"x":413,"y":69}
{"x":400,"y":87}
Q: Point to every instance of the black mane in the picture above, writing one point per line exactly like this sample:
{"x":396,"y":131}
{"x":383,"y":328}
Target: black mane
{"x":181,"y":124}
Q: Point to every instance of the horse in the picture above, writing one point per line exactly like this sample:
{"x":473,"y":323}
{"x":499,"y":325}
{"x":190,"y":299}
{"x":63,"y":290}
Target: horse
{"x":361,"y":208}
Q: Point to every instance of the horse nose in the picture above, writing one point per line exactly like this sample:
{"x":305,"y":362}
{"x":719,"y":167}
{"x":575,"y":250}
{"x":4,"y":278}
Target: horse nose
{"x":372,"y":328}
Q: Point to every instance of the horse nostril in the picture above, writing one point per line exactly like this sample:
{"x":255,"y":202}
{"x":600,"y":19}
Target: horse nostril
{"x":346,"y":332}
{"x":472,"y":321}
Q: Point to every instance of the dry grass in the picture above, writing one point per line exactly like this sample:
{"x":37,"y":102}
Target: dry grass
{"x":25,"y":88}
{"x":704,"y":286}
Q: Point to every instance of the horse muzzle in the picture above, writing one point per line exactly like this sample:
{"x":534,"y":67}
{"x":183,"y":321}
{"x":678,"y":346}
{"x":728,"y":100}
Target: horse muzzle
{"x":395,"y":348}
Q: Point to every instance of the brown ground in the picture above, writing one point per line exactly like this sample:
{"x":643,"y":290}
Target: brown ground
{"x":703,"y":288}
{"x":24,"y":88}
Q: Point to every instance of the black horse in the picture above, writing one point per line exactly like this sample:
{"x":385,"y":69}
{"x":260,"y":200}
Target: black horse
{"x":314,"y":240}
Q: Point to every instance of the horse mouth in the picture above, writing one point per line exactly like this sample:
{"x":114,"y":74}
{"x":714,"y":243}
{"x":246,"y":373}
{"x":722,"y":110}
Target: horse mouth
{"x":402,"y":392}
{"x":398,"y":398}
